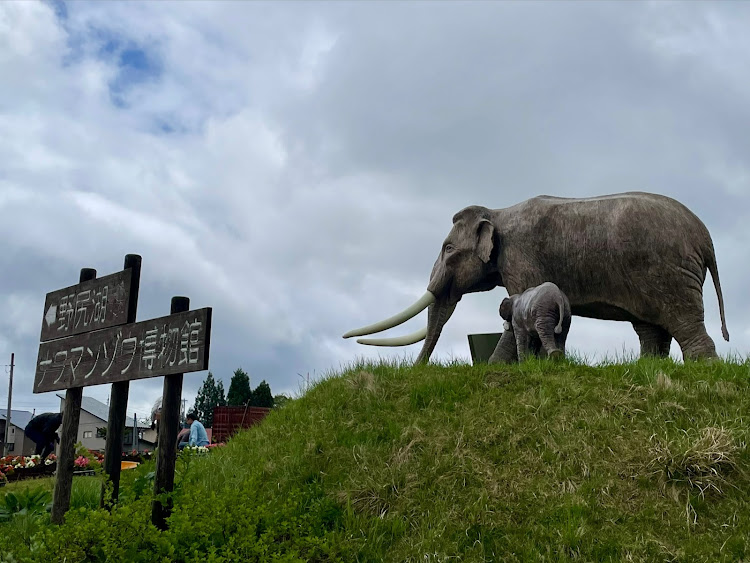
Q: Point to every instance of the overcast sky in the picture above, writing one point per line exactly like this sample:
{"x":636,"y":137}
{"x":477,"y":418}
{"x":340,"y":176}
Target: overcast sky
{"x":296,"y":166}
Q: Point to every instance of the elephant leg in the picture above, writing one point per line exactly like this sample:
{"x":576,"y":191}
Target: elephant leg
{"x":536,"y":348}
{"x":655,"y":341}
{"x":562,"y":338}
{"x":506,"y":351}
{"x":523,"y":339}
{"x":690,"y":333}
{"x":546,"y":330}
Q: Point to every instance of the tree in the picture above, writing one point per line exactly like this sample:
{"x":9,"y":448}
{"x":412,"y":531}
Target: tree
{"x":280,"y":400}
{"x":210,"y":395}
{"x":239,"y":389}
{"x":262,"y":396}
{"x":222,"y":396}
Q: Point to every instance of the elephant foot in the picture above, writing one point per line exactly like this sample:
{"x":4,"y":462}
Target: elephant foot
{"x":701,"y":354}
{"x":505,"y":351}
{"x":695,"y":343}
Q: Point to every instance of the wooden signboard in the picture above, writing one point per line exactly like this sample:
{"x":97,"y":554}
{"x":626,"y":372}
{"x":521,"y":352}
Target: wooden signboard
{"x":176,"y":343}
{"x":90,"y":337}
{"x":91,"y":305}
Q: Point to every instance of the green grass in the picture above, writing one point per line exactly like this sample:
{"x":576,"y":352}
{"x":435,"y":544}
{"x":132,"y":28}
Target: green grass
{"x":642,"y":460}
{"x":47,"y":483}
{"x":85,"y":491}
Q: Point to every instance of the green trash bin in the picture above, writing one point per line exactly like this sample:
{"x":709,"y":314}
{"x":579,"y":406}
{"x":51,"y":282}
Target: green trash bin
{"x":482,"y":346}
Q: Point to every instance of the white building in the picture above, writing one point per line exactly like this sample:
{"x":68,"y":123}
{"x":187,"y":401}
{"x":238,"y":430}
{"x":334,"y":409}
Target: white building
{"x":92,"y":426}
{"x":18,"y":443}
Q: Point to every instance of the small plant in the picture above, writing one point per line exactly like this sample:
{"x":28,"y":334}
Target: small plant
{"x":30,"y":501}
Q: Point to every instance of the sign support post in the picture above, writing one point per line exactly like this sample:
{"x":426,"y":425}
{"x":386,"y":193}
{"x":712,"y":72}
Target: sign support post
{"x":71,"y":416}
{"x":170,"y":420}
{"x":118,"y":401}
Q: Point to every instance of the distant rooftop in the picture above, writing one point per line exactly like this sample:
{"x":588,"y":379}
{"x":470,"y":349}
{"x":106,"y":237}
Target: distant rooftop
{"x":17,"y":418}
{"x":100,"y":410}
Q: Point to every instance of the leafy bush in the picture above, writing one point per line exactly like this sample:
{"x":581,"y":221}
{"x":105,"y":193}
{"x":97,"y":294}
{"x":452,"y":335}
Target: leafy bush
{"x":30,"y":501}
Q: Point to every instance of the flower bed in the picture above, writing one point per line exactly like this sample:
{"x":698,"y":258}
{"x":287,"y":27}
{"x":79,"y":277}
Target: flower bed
{"x":14,"y":468}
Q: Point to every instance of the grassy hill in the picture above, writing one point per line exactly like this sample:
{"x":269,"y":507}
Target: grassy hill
{"x":644,"y":460}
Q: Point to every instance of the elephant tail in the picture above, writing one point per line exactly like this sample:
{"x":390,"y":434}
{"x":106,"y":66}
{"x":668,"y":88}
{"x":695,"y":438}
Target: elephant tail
{"x":713,"y":268}
{"x":561,"y":307}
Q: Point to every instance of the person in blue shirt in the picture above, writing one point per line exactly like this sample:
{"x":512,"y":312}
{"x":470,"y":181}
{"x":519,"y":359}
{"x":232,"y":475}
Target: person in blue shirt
{"x":198,"y":436}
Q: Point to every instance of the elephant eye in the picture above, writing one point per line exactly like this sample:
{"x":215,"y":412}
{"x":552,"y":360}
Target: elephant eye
{"x":449,"y":248}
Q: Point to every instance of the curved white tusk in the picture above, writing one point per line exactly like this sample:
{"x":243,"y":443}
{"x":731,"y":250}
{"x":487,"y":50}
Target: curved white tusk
{"x":422,"y":303}
{"x":412,"y":338}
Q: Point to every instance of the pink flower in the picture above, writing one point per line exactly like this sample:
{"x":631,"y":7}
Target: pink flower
{"x":81,"y":461}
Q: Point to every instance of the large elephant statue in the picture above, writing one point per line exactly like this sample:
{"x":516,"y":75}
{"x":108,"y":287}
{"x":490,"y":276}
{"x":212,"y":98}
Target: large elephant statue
{"x":635,"y":257}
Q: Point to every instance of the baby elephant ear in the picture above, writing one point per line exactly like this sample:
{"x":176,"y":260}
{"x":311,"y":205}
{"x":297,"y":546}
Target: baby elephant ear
{"x":485,"y":236}
{"x":505,"y":309}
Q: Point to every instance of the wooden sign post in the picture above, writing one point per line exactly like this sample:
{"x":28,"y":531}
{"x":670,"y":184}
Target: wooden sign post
{"x":118,"y":396}
{"x":71,"y":416}
{"x":167,"y":450}
{"x":90,"y":337}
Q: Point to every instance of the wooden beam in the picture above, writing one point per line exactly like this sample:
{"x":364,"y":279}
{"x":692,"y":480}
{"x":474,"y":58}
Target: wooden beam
{"x":168,"y":424}
{"x":71,"y":416}
{"x":118,"y":400}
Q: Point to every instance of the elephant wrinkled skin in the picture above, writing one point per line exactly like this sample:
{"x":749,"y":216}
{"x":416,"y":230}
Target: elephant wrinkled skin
{"x":635,"y":257}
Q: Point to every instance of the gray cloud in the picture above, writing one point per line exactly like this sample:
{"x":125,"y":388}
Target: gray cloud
{"x":296,"y":166}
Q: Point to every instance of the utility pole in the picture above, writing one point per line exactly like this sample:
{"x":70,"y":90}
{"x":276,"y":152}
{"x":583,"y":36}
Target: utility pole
{"x":10,"y":396}
{"x":135,"y":432}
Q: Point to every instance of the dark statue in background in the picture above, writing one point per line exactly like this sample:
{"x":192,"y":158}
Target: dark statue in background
{"x":42,"y":430}
{"x":635,"y":257}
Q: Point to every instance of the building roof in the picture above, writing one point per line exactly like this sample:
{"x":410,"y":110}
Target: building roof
{"x":17,"y":418}
{"x":100,"y":410}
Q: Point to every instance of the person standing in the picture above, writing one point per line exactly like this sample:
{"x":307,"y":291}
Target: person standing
{"x":42,"y":430}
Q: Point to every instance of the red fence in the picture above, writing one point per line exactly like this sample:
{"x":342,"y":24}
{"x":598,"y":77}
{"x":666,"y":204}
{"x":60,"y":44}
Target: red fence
{"x":227,"y":420}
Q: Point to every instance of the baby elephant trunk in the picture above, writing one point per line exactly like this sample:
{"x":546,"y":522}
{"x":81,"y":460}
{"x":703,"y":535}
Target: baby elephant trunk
{"x":561,"y":307}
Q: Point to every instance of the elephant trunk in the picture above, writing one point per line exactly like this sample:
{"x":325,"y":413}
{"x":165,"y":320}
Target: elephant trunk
{"x":437,"y":315}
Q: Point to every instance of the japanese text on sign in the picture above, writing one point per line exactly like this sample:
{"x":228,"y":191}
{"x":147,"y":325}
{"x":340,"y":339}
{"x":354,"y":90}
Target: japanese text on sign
{"x":88,"y":306}
{"x":175,"y":344}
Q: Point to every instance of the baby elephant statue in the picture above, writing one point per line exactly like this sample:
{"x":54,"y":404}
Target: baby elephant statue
{"x":540,"y":313}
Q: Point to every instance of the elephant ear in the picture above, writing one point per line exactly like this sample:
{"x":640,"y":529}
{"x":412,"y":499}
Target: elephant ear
{"x":485,"y":236}
{"x":506,"y":309}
